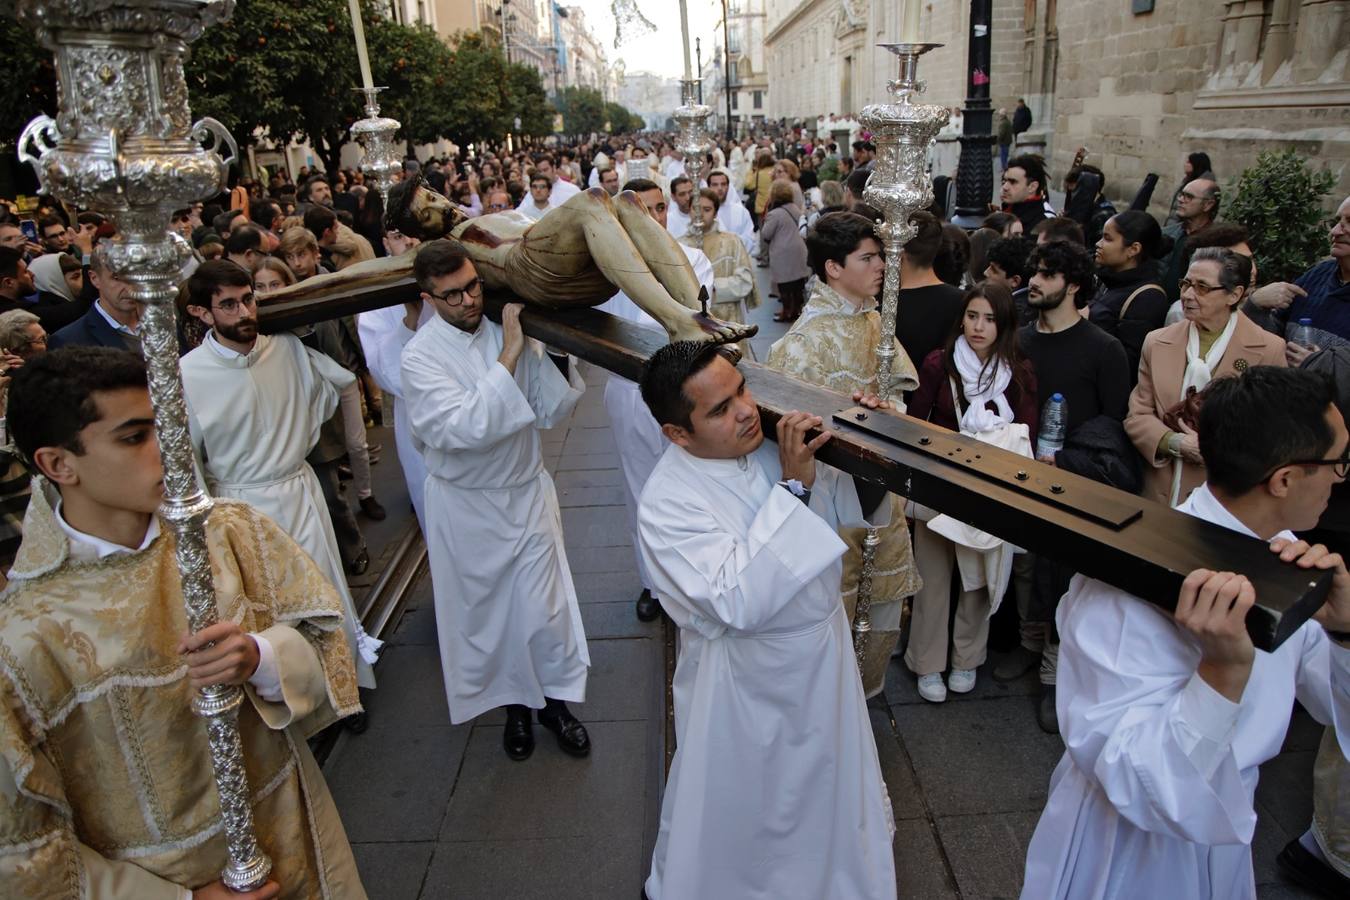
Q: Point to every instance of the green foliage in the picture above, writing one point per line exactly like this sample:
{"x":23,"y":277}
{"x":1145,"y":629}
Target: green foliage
{"x":419,"y":70}
{"x":582,"y":108}
{"x":1279,"y":200}
{"x":27,"y":81}
{"x":528,"y":101}
{"x":621,"y":120}
{"x":283,"y":69}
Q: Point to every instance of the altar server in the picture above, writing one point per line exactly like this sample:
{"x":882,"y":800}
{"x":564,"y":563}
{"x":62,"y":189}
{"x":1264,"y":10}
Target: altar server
{"x":1167,"y":717}
{"x":775,"y":789}
{"x":255,"y":405}
{"x":506,"y":612}
{"x":636,"y":434}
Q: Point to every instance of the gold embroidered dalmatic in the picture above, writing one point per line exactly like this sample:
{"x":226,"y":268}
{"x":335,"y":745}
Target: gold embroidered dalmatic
{"x":106,"y":787}
{"x":834,"y":344}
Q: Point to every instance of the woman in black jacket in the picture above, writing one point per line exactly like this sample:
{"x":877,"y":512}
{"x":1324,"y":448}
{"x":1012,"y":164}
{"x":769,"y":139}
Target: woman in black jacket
{"x":1131,"y":301}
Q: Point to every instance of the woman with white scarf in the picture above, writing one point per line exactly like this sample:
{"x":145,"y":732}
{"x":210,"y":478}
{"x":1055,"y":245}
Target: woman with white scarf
{"x":977,"y":384}
{"x":1214,"y":340}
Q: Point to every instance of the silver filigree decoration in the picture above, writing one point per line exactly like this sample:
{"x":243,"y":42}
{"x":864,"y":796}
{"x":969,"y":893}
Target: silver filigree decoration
{"x":629,"y":22}
{"x":693,"y":142}
{"x":122,"y":145}
{"x":899,"y":186}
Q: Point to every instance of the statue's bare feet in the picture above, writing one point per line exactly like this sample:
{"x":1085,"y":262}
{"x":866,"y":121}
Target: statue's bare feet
{"x":703,"y":327}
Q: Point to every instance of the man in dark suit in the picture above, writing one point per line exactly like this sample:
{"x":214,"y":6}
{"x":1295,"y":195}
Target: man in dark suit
{"x":113,"y":321}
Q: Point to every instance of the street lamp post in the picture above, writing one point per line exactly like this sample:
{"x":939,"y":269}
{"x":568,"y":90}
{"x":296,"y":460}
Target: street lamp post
{"x":975,"y":172}
{"x":726,"y":42}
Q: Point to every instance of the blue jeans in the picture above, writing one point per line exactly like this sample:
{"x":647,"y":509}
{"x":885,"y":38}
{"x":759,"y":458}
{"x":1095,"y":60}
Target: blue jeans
{"x":1003,"y":155}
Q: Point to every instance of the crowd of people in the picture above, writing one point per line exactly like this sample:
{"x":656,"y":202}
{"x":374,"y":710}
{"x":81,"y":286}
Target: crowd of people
{"x":1146,"y":355}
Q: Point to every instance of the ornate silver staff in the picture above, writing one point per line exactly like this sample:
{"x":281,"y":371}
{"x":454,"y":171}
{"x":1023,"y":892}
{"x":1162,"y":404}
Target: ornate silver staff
{"x":124,"y":144}
{"x":693,"y":143}
{"x":899,"y":186}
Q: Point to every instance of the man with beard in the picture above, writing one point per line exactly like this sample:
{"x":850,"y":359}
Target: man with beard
{"x":1089,"y":368}
{"x":255,"y":406}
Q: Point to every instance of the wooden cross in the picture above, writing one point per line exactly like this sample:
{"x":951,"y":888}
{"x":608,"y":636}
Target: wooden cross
{"x":1134,"y":544}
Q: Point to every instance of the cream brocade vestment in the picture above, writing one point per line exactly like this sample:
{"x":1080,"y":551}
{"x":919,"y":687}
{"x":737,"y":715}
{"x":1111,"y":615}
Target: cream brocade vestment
{"x":834,"y":344}
{"x":106,"y":786}
{"x":735,"y":290}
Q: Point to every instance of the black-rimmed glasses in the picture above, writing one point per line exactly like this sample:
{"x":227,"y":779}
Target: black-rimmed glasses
{"x":455,"y":296}
{"x":232,"y":305}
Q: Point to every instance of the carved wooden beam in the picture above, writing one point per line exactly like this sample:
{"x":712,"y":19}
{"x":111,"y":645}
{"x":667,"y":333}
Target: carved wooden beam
{"x":1137,"y":545}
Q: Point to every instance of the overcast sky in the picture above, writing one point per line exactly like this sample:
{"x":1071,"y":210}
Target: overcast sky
{"x":661,"y":51}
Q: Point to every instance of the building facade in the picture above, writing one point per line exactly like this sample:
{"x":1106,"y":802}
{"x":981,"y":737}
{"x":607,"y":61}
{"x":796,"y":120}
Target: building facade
{"x":1139,"y":90}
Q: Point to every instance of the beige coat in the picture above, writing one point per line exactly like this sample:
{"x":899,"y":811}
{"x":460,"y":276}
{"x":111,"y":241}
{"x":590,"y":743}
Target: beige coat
{"x":1162,"y":365}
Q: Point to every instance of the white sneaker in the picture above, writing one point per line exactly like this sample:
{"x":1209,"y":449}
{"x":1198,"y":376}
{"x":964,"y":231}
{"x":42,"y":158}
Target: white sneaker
{"x":931,"y":688}
{"x":962,"y":681}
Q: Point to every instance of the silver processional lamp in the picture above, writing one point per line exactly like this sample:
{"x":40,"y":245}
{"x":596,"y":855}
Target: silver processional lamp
{"x":124,"y":144}
{"x":693,"y":142}
{"x":382,"y":161}
{"x":899,"y":186}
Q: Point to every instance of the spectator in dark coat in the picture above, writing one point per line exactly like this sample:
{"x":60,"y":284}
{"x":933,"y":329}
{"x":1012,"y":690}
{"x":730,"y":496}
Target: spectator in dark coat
{"x":782,"y":236}
{"x":1130,"y":301}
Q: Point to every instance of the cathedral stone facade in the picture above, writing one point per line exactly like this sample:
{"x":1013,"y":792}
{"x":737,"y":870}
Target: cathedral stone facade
{"x":1139,"y":89}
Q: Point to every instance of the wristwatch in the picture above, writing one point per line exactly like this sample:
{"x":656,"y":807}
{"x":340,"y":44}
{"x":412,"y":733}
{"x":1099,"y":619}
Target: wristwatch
{"x":797,"y":489}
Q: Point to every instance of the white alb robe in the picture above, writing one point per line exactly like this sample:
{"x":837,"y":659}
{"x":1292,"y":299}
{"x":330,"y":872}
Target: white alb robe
{"x":254,"y":418}
{"x":734,"y":218}
{"x":507,"y":617}
{"x":1154,"y":794}
{"x":677,"y":223}
{"x":637,"y":436}
{"x":383,"y":337}
{"x":562,"y":190}
{"x":775,"y":790}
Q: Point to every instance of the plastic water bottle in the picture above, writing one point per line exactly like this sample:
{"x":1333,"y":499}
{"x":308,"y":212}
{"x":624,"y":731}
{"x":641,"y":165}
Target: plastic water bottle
{"x":1050,"y":437}
{"x":1302,"y":334}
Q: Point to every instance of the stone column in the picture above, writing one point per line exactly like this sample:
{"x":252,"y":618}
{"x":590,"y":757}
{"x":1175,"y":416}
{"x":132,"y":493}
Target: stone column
{"x":1246,"y":18}
{"x":1321,"y":27}
{"x":1279,"y":39}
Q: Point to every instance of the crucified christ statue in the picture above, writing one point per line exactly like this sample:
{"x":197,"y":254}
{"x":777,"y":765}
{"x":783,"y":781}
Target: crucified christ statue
{"x":577,"y":254}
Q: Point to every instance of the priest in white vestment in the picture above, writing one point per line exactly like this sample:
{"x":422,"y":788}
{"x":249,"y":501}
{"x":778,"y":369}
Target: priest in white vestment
{"x":732,"y":216}
{"x":255,"y":405}
{"x":507,"y":617}
{"x":775,"y":790}
{"x":636,"y":435}
{"x":681,"y":206}
{"x":1166,"y":718}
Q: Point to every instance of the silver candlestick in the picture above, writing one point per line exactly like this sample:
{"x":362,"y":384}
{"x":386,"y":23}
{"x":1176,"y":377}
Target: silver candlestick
{"x":693,"y":142}
{"x":124,"y":144}
{"x":899,"y":186}
{"x":375,"y":133}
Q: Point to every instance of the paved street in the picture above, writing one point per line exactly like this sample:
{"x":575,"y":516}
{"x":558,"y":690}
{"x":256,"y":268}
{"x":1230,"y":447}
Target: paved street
{"x":438,"y":811}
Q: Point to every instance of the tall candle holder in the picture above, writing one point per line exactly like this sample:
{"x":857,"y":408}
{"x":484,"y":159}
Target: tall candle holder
{"x":123,"y":144}
{"x":899,"y":186}
{"x":375,"y":133}
{"x":693,"y":142}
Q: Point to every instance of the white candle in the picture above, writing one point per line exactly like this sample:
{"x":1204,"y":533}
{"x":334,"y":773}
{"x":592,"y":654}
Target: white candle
{"x":684,"y":29}
{"x":909,"y":28}
{"x":361,"y":56}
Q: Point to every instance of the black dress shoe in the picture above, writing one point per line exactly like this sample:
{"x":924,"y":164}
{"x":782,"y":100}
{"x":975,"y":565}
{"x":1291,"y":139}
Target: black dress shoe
{"x":1310,"y":872}
{"x":356,"y":723}
{"x":572,"y":736}
{"x":359,"y":565}
{"x":518,"y":736}
{"x":648,"y":610}
{"x":371,"y":508}
{"x":1045,"y":710}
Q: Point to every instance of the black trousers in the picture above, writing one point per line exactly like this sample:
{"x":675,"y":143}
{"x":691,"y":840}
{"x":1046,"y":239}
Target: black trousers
{"x":349,"y":539}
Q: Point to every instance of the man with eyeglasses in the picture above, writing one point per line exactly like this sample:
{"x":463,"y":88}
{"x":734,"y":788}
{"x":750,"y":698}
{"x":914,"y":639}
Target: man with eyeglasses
{"x":537,"y":202}
{"x":1167,"y":718}
{"x":255,"y":405}
{"x":497,"y":201}
{"x":1197,"y":208}
{"x":506,"y":611}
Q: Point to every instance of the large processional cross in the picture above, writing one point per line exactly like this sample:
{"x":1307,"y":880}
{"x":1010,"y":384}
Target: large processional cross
{"x":124,"y":144}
